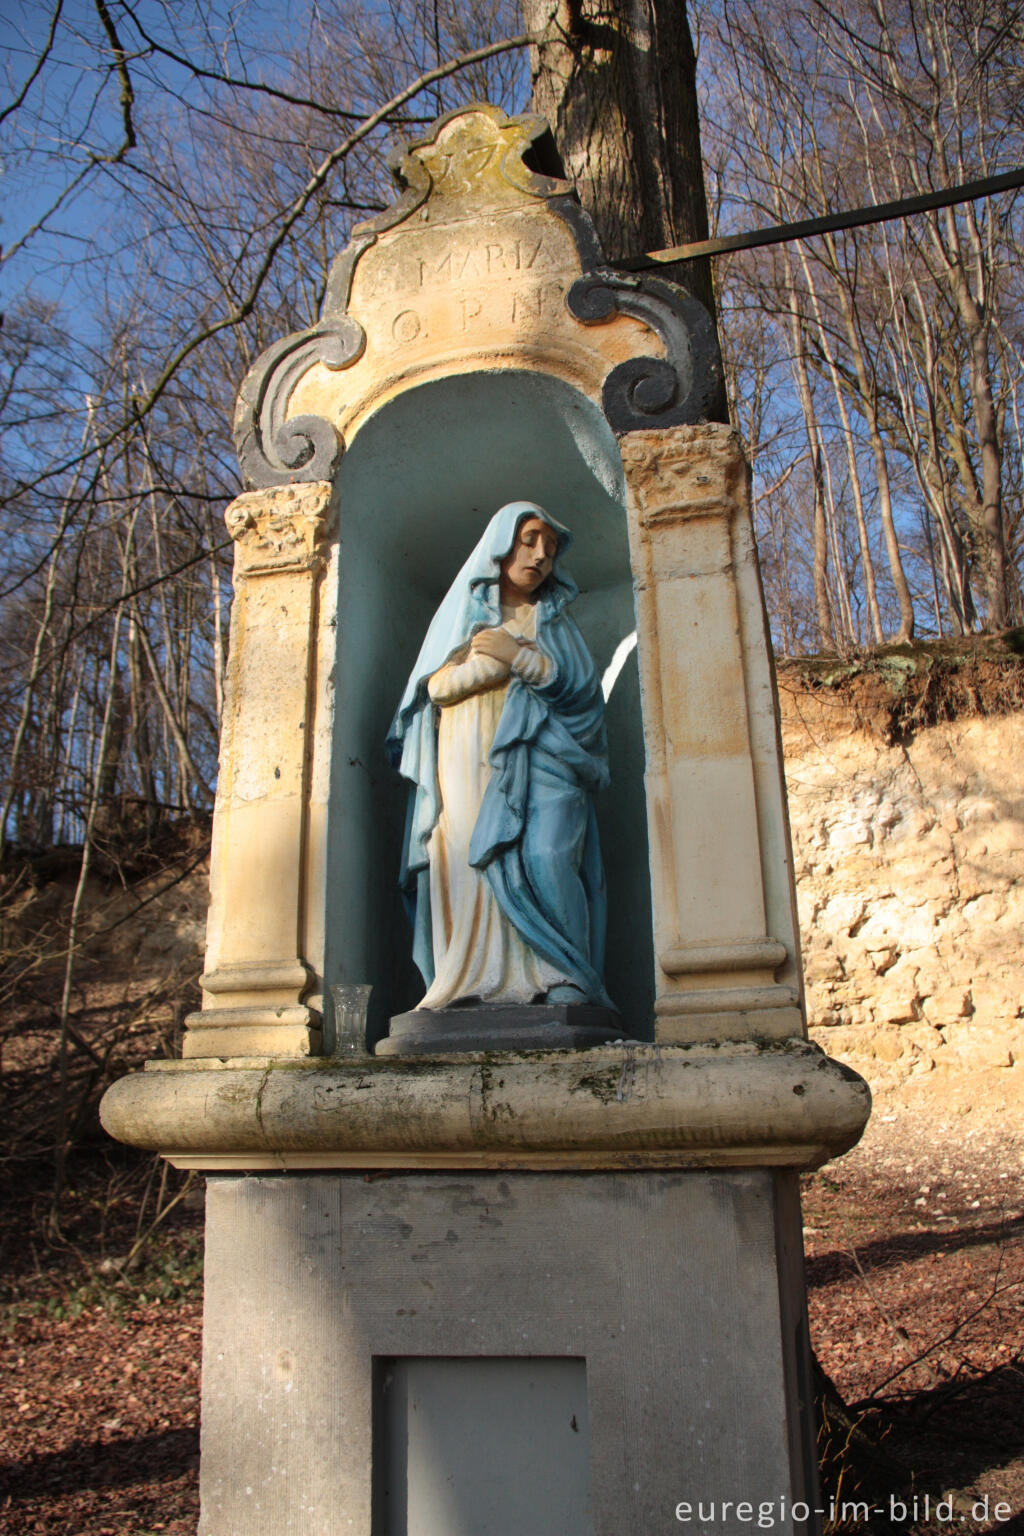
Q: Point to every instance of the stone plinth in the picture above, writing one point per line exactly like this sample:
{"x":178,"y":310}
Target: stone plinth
{"x":499,"y":1027}
{"x":601,"y":1243}
{"x":661,"y":1312}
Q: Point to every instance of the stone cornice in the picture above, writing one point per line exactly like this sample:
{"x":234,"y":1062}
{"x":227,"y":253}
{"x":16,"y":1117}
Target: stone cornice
{"x":610,"y":1107}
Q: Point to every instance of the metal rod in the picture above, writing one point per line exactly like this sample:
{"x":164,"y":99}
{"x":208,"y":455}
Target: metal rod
{"x":876,"y":213}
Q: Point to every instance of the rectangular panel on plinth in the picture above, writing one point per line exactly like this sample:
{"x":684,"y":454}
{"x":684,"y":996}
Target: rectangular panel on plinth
{"x":481,"y":1445}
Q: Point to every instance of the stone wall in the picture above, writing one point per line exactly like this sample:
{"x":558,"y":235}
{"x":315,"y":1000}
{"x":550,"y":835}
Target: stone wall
{"x":910,"y":877}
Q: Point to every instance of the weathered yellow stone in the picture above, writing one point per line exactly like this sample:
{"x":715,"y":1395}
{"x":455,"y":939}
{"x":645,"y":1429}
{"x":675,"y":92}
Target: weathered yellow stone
{"x":947,"y":1004}
{"x":610,"y":1107}
{"x":474,"y":277}
{"x":720,"y":868}
{"x":470,"y":271}
{"x":257,"y":976}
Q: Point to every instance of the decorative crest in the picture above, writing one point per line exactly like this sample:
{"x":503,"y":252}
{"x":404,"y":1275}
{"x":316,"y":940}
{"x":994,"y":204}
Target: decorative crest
{"x":485,"y":254}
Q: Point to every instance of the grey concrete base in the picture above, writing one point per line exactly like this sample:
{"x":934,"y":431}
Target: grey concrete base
{"x":499,"y":1027}
{"x":389,"y":1354}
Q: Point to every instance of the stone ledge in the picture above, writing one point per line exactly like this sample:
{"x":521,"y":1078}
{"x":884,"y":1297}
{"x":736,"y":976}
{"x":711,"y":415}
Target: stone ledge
{"x":616,"y":1106}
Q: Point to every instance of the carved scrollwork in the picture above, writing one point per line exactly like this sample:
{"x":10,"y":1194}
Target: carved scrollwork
{"x":274,"y":451}
{"x":473,"y":161}
{"x":676,"y":390}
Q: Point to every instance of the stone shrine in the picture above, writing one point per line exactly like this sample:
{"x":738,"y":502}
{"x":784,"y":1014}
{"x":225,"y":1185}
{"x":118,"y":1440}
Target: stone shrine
{"x":553,"y":1288}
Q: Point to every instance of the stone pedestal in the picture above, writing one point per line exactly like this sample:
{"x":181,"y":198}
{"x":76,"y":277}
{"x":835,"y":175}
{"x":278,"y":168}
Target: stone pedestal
{"x":493,"y":1027}
{"x":584,"y":1267}
{"x":786,"y":1105}
{"x":455,"y":1354}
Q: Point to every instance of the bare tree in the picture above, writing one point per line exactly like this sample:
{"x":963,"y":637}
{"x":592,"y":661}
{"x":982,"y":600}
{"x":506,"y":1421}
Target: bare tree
{"x":202,"y":186}
{"x":811,"y":109}
{"x":616,"y":80}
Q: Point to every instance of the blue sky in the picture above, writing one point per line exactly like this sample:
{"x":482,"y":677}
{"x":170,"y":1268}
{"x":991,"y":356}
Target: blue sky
{"x":71,"y":113}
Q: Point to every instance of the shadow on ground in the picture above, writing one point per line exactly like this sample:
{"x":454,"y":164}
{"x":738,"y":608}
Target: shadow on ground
{"x":95,"y":1464}
{"x":905,"y":1247}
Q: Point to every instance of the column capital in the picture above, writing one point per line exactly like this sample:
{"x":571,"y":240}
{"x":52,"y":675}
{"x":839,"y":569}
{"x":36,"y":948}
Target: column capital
{"x":285,"y":528}
{"x":681,"y":472}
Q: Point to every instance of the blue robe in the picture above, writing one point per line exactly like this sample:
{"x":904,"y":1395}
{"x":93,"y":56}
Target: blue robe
{"x":536,"y":834}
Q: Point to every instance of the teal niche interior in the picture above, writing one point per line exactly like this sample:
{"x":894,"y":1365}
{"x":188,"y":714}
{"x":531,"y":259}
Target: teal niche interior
{"x":417,"y":485}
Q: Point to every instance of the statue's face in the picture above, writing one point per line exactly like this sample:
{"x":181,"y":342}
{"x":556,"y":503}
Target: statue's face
{"x":529,"y":563}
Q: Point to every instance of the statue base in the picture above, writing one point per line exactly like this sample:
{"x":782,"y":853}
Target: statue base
{"x":500,"y":1027}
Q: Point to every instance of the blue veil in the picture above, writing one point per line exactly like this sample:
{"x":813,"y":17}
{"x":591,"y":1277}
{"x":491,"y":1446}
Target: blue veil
{"x":536,"y":833}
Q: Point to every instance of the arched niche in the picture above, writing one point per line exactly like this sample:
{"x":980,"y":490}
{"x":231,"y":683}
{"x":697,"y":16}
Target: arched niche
{"x":417,"y":484}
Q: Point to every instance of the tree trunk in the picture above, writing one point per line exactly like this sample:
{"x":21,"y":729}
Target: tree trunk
{"x":869,"y":404}
{"x":616,"y":81}
{"x":822,"y":607}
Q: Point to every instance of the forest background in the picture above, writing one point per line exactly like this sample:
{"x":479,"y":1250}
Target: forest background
{"x":177,"y":180}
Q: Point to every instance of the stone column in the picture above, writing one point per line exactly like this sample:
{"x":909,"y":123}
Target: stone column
{"x":725,"y":931}
{"x":258,"y":969}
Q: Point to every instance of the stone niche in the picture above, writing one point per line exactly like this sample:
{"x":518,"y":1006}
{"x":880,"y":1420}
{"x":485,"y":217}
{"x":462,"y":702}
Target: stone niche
{"x":608,"y":1237}
{"x":420,"y":480}
{"x":473,"y":351}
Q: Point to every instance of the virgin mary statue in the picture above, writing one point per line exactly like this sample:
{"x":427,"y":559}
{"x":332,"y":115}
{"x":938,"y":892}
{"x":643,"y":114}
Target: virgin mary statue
{"x":501,"y":734}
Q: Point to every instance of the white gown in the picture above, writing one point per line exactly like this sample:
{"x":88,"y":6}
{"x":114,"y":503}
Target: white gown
{"x":478,"y":954}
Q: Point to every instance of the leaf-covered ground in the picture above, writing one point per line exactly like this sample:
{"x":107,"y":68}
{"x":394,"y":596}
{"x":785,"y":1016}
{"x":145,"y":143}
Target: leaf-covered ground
{"x":915,"y":1270}
{"x":99,"y":1370}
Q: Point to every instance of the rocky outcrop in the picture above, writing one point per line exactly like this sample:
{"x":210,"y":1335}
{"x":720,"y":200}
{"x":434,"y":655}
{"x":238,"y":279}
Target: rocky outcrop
{"x":910,"y":877}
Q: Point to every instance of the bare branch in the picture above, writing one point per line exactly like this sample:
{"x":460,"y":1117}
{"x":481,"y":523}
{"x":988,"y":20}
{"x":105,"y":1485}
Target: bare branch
{"x":13,"y":106}
{"x":141,"y":406}
{"x":121,"y":65}
{"x":259,"y":86}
